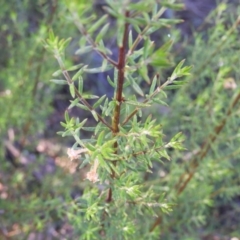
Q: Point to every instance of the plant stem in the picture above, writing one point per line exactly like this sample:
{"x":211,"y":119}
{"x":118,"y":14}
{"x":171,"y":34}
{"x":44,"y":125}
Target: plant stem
{"x":118,"y":95}
{"x":80,"y":97}
{"x":205,"y":148}
{"x":200,"y":155}
{"x":90,"y":40}
{"x":29,"y":120}
{"x":145,"y":101}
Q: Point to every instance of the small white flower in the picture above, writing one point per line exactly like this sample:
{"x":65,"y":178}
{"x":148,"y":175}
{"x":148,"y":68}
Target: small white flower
{"x":92,"y":174}
{"x":75,"y":154}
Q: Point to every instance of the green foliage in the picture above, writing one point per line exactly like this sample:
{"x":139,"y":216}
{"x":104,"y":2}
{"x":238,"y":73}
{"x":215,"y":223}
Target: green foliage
{"x":124,"y":147}
{"x":157,"y":160}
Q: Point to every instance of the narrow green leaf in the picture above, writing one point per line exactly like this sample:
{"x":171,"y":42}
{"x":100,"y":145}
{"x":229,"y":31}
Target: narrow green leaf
{"x":163,"y":93}
{"x":97,"y":24}
{"x":57,"y":73}
{"x":104,"y":65}
{"x":60,"y":133}
{"x":116,"y":170}
{"x":80,"y":84}
{"x":137,"y":104}
{"x":72,"y":90}
{"x":146,"y":46}
{"x":98,"y":128}
{"x":82,"y":106}
{"x":100,"y":138}
{"x":123,"y":130}
{"x":104,"y":164}
{"x":84,"y":50}
{"x":137,"y":21}
{"x":172,"y":87}
{"x":120,"y":33}
{"x":51,"y":35}
{"x":63,"y":124}
{"x":111,"y":12}
{"x":99,"y":101}
{"x":126,"y":84}
{"x":110,"y":108}
{"x":78,"y":74}
{"x":166,"y":46}
{"x":160,"y":62}
{"x":177,"y":137}
{"x":147,"y":121}
{"x":67,"y":133}
{"x":89,"y":96}
{"x":156,"y":100}
{"x":81,"y":124}
{"x":140,"y":113}
{"x":130,"y":39}
{"x":165,"y":22}
{"x":136,"y":86}
{"x":143,"y":71}
{"x":90,"y":147}
{"x":177,"y":70}
{"x":137,"y":28}
{"x":75,"y":67}
{"x":92,"y":129}
{"x":105,"y":104}
{"x":84,"y":163}
{"x":94,"y":115}
{"x":136,"y":54}
{"x":73,"y":103}
{"x":97,"y":70}
{"x":180,"y":83}
{"x":65,"y":43}
{"x":59,"y":81}
{"x":153,"y":85}
{"x":102,"y":33}
{"x":174,"y":6}
{"x":111,"y":82}
{"x":101,"y":47}
{"x":164,"y":153}
{"x":66,"y":116}
{"x":152,"y":30}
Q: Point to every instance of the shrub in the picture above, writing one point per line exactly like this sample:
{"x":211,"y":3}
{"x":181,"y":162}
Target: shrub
{"x":124,"y":142}
{"x":122,"y":139}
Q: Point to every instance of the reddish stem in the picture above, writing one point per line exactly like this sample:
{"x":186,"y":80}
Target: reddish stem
{"x":118,"y":96}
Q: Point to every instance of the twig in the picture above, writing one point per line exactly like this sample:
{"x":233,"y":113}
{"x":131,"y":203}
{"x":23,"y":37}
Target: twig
{"x":145,"y":101}
{"x":201,"y":154}
{"x":205,"y":148}
{"x":28,"y":122}
{"x":69,"y":80}
{"x":90,"y":40}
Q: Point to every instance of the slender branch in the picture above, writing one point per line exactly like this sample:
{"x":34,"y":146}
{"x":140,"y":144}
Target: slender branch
{"x":200,"y":155}
{"x":69,"y":80}
{"x":91,"y":109}
{"x":90,"y":40}
{"x":218,"y":48}
{"x":141,"y":34}
{"x":28,"y":123}
{"x":205,"y":148}
{"x":155,"y":224}
{"x":223,"y":40}
{"x":207,"y":144}
{"x":140,"y":153}
{"x":146,"y":101}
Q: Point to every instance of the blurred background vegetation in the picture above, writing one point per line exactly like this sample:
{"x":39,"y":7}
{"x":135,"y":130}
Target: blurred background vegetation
{"x":37,"y":180}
